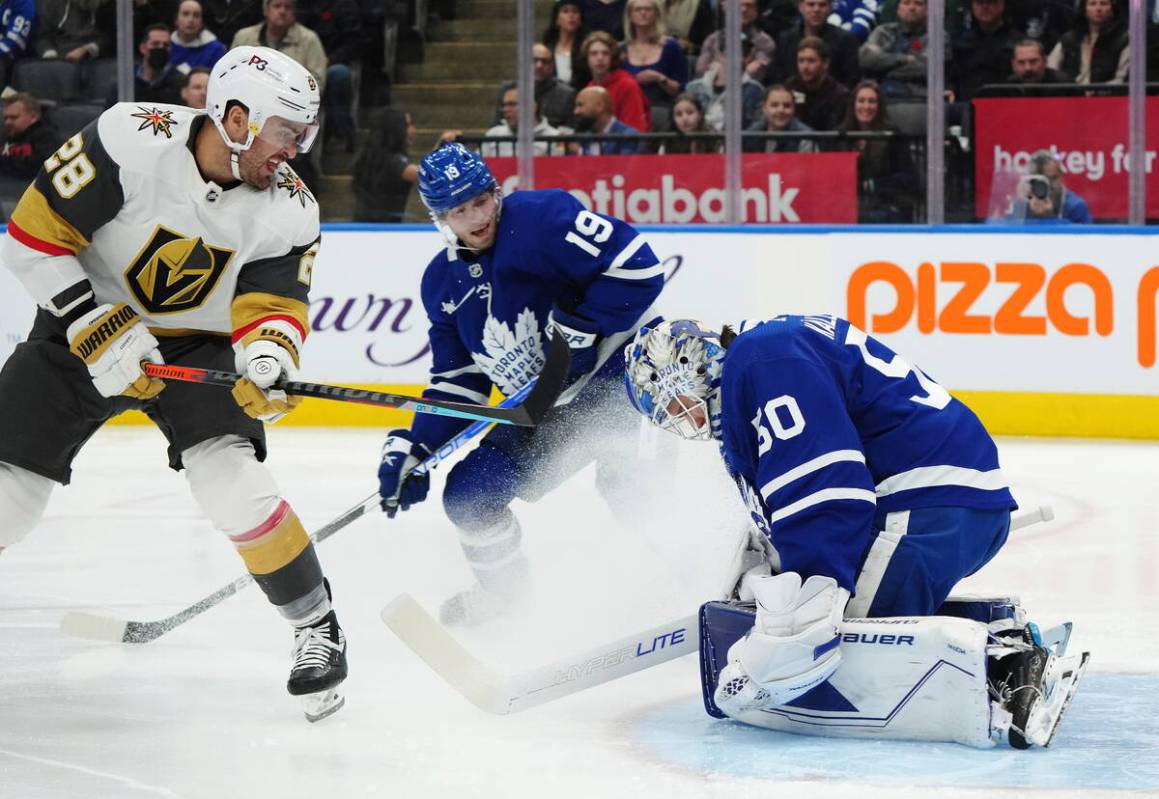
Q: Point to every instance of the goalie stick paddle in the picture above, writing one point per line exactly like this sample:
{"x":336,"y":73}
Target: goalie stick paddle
{"x":98,"y":627}
{"x":495,"y":692}
{"x":527,"y":414}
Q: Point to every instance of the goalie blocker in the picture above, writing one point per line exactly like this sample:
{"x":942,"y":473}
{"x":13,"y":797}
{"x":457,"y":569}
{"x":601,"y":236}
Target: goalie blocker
{"x":976,"y":673}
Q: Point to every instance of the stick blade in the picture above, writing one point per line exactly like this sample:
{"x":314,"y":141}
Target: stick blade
{"x":428,"y":639}
{"x":80,"y":624}
{"x":549,"y":384}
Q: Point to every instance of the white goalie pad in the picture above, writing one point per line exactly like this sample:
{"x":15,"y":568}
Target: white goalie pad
{"x":904,"y":678}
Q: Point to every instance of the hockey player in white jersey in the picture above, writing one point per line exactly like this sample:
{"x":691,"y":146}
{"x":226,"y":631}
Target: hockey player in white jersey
{"x":166,"y":234}
{"x":872,"y":492}
{"x":513,"y":268}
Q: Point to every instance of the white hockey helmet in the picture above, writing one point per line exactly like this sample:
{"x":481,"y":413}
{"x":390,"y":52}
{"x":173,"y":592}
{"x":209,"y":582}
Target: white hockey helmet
{"x":269,"y":84}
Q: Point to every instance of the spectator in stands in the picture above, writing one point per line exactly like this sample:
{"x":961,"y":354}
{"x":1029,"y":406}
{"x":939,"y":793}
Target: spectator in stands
{"x":656,"y":60}
{"x":780,"y":116}
{"x":1043,"y":199}
{"x":227,"y":17}
{"x":193,"y":92}
{"x":71,"y":29}
{"x":713,"y":54}
{"x":982,"y":54}
{"x":28,"y":139}
{"x":886,"y":179}
{"x":383,"y":174}
{"x":777,"y":16}
{"x":858,"y":17}
{"x":156,"y":79}
{"x":605,"y":15}
{"x":841,"y":45}
{"x":510,"y":127}
{"x":690,"y":21}
{"x":709,"y":90}
{"x":895,"y":54}
{"x":594,"y":114}
{"x":628,"y":102}
{"x":338,"y":24}
{"x":283,"y":32}
{"x":556,"y":99}
{"x":688,"y":118}
{"x":564,"y":37}
{"x":1028,"y":65}
{"x":191,"y":44}
{"x":821,"y":100}
{"x":1095,"y":49}
{"x":17,"y":17}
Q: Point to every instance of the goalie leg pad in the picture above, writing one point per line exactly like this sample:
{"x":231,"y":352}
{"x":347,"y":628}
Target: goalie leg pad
{"x":23,"y":496}
{"x":906,"y":678}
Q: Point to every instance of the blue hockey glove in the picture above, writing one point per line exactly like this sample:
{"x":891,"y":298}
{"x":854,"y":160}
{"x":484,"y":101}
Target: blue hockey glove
{"x":398,"y":487}
{"x":582,"y":337}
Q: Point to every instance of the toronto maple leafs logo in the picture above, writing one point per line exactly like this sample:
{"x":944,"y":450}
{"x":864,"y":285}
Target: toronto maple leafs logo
{"x":160,"y":121}
{"x":512,"y":357}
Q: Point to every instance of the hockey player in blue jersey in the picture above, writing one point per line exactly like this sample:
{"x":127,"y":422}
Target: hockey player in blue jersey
{"x":514,"y":267}
{"x":874,"y":492}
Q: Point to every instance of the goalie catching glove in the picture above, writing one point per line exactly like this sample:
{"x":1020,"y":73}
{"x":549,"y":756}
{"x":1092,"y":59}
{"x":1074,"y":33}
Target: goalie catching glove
{"x":398,"y":486}
{"x":792,"y":647}
{"x":263,"y":363}
{"x":113,"y":342}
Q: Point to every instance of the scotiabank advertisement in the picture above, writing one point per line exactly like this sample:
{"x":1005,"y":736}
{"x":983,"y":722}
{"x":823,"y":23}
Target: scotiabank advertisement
{"x":1086,"y":135}
{"x":681,"y":189}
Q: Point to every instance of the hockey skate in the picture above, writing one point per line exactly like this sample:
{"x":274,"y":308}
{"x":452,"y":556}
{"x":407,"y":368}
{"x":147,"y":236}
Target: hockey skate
{"x":487,"y":599}
{"x":318,"y":666}
{"x":1034,"y":680}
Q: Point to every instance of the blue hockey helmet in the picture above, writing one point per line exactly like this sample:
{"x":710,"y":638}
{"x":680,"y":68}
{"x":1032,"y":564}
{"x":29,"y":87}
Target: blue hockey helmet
{"x":672,"y":374}
{"x":450,"y":175}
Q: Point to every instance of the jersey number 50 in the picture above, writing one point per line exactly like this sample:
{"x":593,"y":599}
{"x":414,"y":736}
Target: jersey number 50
{"x":77,"y":171}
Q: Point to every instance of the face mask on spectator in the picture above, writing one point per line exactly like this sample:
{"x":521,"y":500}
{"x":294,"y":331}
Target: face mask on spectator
{"x":157,"y":57}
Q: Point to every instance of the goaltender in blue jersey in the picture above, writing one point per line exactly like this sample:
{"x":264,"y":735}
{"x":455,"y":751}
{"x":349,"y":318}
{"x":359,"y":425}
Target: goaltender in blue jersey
{"x":872,"y":492}
{"x":514,"y":268}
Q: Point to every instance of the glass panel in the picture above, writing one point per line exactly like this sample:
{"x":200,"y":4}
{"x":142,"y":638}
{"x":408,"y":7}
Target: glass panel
{"x":1049,"y":132}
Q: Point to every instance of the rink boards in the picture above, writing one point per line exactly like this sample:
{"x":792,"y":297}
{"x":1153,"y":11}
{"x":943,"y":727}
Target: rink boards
{"x":1050,"y":333}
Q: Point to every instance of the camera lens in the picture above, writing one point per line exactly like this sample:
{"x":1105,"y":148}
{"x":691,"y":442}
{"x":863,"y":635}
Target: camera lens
{"x":1039,"y":188}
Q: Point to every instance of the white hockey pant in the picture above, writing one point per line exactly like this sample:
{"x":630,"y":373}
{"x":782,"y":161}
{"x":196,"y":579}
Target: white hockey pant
{"x":23,"y":498}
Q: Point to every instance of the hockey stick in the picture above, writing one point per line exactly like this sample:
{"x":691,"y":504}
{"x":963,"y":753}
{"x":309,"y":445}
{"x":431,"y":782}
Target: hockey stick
{"x":547,"y":389}
{"x":109,"y":628}
{"x":498,"y":693}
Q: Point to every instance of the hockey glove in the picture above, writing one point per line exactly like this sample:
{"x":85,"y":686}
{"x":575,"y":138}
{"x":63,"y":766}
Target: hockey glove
{"x":113,"y":342}
{"x":398,"y":486}
{"x":262,"y":364}
{"x":582,"y":336}
{"x":792,"y":647}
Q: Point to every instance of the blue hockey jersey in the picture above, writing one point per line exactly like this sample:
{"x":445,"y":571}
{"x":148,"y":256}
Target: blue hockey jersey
{"x":489,"y":311}
{"x":824,"y":427}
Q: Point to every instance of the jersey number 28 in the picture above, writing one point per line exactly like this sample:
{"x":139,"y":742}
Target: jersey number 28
{"x":77,"y":171}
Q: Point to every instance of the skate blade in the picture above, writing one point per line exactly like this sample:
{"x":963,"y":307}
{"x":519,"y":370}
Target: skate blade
{"x":1066,"y":673}
{"x":322,"y":704}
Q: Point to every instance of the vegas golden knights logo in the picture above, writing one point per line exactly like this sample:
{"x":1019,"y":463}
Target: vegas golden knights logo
{"x":173,"y":273}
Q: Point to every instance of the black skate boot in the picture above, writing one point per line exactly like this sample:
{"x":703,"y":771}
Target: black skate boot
{"x":1036,"y":682}
{"x":318,"y":666}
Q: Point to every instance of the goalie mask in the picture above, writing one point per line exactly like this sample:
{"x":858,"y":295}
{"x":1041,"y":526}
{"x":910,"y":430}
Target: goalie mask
{"x":451,"y":179}
{"x":672,"y":373}
{"x":279,"y":95}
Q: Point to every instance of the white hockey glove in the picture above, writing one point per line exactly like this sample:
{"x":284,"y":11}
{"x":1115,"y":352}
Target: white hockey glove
{"x":582,"y":339}
{"x":113,"y":342}
{"x":262,"y":364}
{"x":792,"y":647}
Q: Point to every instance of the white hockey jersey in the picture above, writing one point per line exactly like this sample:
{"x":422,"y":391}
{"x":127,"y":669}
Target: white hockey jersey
{"x":123,"y":205}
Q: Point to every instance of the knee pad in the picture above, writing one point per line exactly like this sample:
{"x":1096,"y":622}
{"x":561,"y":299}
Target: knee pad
{"x":236,"y":491}
{"x":479,"y":488}
{"x":23,"y":496}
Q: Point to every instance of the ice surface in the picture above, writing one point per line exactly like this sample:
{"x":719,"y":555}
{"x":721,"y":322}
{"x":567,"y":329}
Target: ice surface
{"x":202,"y":711}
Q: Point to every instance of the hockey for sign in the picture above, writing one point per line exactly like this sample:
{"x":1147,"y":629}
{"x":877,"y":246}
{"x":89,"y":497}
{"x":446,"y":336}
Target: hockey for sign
{"x":502,"y":694}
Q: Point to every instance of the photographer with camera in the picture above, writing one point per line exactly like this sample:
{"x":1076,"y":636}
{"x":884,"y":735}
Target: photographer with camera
{"x":1042,"y":198}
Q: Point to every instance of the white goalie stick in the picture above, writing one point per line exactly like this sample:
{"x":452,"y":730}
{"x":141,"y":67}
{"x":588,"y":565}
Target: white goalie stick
{"x":98,"y":627}
{"x":495,"y":692}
